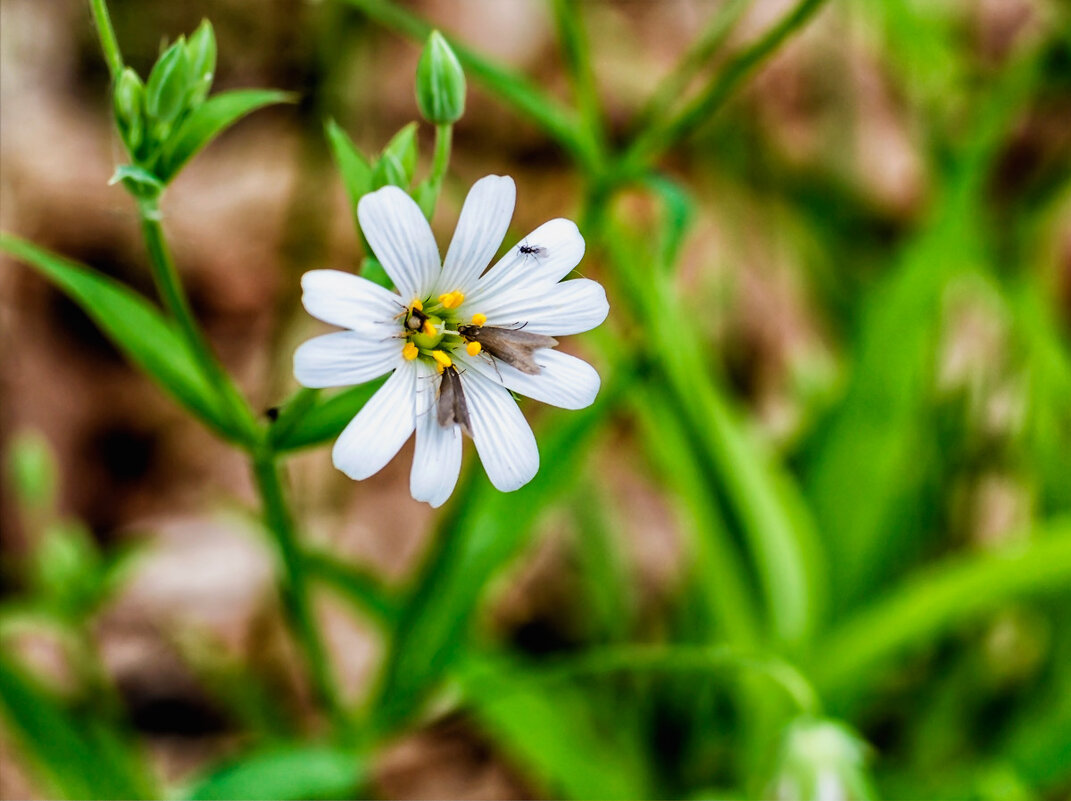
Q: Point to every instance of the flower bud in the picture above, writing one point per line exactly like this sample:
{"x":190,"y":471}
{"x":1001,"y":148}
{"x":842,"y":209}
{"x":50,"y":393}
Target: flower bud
{"x":169,"y":86}
{"x":129,"y":98}
{"x":821,"y":760}
{"x":440,"y":83}
{"x":201,"y":52}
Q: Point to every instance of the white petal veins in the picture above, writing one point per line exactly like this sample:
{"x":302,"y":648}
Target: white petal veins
{"x":401,"y":239}
{"x":437,"y":459}
{"x":480,"y":229}
{"x":503,"y":438}
{"x":558,"y":310}
{"x":349,"y":301}
{"x":344,"y":358}
{"x":380,"y":429}
{"x":565,"y":381}
{"x":562,"y":248}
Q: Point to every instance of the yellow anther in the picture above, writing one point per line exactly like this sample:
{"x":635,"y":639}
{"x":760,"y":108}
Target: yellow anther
{"x":439,"y":368}
{"x":479,"y":319}
{"x":429,"y":329}
{"x":473,"y":348}
{"x":443,"y":359}
{"x":410,"y":351}
{"x":451,"y":300}
{"x":416,"y":304}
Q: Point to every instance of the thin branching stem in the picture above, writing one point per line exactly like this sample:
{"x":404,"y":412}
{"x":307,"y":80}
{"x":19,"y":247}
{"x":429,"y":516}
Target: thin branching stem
{"x":108,"y":43}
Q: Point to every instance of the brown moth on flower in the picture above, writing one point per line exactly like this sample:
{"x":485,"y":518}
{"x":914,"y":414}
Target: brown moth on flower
{"x":451,"y":408}
{"x":513,"y":346}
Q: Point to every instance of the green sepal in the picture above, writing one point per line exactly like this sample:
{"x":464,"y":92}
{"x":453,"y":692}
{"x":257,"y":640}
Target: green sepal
{"x":354,"y":168}
{"x":201,"y":51}
{"x":403,"y":146}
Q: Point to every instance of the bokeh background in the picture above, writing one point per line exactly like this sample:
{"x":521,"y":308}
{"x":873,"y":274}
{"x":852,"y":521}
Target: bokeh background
{"x":812,"y":190}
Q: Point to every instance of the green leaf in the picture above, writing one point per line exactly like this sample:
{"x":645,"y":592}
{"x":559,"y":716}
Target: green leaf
{"x":354,"y":168}
{"x":403,"y":147}
{"x":207,"y":122}
{"x":78,"y":758}
{"x":285,"y":772}
{"x":327,"y":418}
{"x":550,"y":732}
{"x":137,"y":180}
{"x":935,"y":599}
{"x":374,"y":272}
{"x":389,"y":172}
{"x":356,"y":584}
{"x":134,"y":325}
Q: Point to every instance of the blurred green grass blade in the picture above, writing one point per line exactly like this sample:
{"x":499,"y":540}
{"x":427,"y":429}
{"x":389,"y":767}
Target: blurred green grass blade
{"x":288,"y":772}
{"x":134,"y":325}
{"x":477,"y":539}
{"x":606,"y":590}
{"x":935,"y":599}
{"x":207,"y":122}
{"x":354,"y":168}
{"x":326,"y":418}
{"x":81,"y":759}
{"x":358,"y":585}
{"x":529,"y":101}
{"x":549,"y":732}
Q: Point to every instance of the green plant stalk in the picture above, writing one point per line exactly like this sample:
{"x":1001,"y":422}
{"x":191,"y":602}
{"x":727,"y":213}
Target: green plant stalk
{"x":175,"y":301}
{"x":672,"y":87}
{"x":440,"y":161}
{"x":576,"y":54}
{"x":297,"y":596}
{"x":656,"y":139}
{"x":108,"y":43}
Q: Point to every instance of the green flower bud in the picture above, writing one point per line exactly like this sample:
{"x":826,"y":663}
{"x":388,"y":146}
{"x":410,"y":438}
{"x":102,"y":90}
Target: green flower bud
{"x":201,"y":51}
{"x":440,"y":83}
{"x":168,"y":90}
{"x":822,"y":759}
{"x":32,"y":471}
{"x":129,"y":98}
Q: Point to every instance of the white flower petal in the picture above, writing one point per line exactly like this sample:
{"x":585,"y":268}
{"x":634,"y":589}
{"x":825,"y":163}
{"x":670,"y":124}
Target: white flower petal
{"x":343,"y":359}
{"x":437,"y":460}
{"x":380,"y":429}
{"x":503,"y":437}
{"x":349,"y":301}
{"x":565,"y":381}
{"x":401,"y":239}
{"x":559,"y":249}
{"x":557,"y":310}
{"x":484,"y":220}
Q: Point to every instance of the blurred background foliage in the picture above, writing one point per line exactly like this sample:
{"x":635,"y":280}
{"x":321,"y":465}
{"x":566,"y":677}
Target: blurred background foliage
{"x":813,"y":539}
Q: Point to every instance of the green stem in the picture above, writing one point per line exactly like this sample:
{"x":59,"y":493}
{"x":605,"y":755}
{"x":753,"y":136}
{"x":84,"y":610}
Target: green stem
{"x":656,"y":139}
{"x":297,"y":597}
{"x":672,"y":87}
{"x":440,"y":161}
{"x":576,"y":54}
{"x":108,"y":43}
{"x":175,"y":301}
{"x":686,"y":659}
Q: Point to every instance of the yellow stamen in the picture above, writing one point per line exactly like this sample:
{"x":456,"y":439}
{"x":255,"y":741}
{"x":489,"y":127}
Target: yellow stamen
{"x":473,"y":348}
{"x":410,"y":351}
{"x":479,"y":319}
{"x":429,"y":329}
{"x":439,"y":368}
{"x":416,"y":304}
{"x":441,"y":357}
{"x":451,"y":300}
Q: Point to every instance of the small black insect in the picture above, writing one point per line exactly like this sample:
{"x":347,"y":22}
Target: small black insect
{"x":451,"y":406}
{"x":415,"y":319}
{"x":511,"y":345}
{"x":272,"y":414}
{"x":532,"y":250}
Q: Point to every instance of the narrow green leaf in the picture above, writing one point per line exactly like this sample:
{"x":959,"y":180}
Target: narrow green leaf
{"x":389,"y":172}
{"x":934,"y":600}
{"x":207,"y":122}
{"x":142,"y":334}
{"x":403,"y":147}
{"x":80,"y":760}
{"x":327,"y":418}
{"x":356,"y":584}
{"x":285,"y":772}
{"x":550,"y":732}
{"x":354,"y":168}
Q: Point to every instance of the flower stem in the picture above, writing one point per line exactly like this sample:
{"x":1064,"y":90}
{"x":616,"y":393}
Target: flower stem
{"x":175,"y":301}
{"x":440,"y":160}
{"x":108,"y":43}
{"x":297,"y":597}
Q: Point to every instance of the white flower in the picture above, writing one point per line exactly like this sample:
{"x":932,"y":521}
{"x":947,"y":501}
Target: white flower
{"x":455,"y":340}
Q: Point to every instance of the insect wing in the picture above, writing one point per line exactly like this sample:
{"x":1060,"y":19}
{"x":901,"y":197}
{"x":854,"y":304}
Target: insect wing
{"x":514,"y":347}
{"x":452,"y":408}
